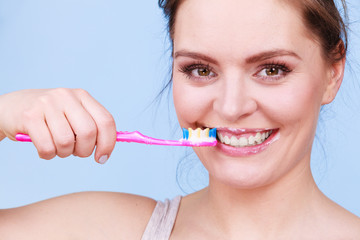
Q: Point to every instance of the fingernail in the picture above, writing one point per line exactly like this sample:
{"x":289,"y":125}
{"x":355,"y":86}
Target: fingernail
{"x":103,"y":159}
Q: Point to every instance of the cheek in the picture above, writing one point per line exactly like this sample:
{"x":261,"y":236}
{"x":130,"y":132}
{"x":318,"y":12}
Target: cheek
{"x":294,"y":103}
{"x":191,"y":103}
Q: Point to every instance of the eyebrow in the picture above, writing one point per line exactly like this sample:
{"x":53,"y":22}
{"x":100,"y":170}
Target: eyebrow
{"x":252,"y":59}
{"x":194,"y":55}
{"x":270,"y":54}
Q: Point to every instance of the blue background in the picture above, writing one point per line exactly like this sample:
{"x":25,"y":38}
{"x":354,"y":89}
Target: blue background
{"x":118,"y":51}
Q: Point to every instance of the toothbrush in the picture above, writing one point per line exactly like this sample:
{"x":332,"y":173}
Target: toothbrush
{"x":191,"y":138}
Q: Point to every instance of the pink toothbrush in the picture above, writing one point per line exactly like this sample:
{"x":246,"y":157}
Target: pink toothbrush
{"x":191,"y":138}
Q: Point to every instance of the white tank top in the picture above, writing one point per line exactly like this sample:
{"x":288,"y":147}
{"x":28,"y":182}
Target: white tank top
{"x":162,"y":220}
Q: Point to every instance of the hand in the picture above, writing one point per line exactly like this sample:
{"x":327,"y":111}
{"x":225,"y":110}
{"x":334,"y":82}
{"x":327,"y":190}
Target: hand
{"x":59,"y":122}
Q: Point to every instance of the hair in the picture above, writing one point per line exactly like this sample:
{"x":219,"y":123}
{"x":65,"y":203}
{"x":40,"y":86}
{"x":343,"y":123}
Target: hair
{"x":322,"y":18}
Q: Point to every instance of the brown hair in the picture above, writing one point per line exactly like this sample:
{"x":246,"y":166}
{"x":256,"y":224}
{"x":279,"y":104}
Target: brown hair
{"x":321,"y":17}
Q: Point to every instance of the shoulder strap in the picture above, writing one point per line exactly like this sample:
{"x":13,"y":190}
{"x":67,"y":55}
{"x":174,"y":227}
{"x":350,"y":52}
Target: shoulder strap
{"x":162,"y":220}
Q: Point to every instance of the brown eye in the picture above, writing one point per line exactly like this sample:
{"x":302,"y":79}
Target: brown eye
{"x":198,"y":72}
{"x":272,"y":71}
{"x":203,"y":72}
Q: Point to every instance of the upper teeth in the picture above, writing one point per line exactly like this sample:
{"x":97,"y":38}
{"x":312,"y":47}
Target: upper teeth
{"x":244,"y":141}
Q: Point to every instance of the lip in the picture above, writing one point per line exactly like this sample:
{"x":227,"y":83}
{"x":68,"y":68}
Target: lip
{"x":250,"y":150}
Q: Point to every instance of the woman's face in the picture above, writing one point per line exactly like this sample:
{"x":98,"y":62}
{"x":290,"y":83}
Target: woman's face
{"x":250,"y":69}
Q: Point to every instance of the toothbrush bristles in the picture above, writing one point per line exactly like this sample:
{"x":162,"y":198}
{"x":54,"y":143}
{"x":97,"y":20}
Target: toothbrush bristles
{"x":198,"y":134}
{"x":212,"y":133}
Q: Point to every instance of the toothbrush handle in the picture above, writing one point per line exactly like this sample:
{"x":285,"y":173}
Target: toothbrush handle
{"x":22,"y":137}
{"x":123,"y":137}
{"x":140,"y":138}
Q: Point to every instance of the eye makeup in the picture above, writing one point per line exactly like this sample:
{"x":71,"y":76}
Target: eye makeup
{"x":198,"y":71}
{"x":271,"y":71}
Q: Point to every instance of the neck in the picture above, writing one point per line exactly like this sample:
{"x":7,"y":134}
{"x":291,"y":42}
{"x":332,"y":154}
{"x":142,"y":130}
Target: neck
{"x":267,"y":209}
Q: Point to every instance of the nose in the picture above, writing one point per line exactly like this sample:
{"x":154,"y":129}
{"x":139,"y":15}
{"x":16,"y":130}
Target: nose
{"x":234,"y":100}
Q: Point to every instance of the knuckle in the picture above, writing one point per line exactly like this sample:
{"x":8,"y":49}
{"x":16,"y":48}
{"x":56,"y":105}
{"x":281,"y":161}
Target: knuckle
{"x":107,"y":121}
{"x":59,"y":93}
{"x":65,"y":142}
{"x":46,"y":152}
{"x":62,"y":91}
{"x":84,"y":153}
{"x":81,"y":92}
{"x":63,"y":154}
{"x":88,"y":133}
{"x":44,"y":99}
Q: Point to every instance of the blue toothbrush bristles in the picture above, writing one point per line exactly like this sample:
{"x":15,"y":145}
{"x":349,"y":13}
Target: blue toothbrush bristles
{"x":185,"y":134}
{"x":212,"y":133}
{"x":195,"y":134}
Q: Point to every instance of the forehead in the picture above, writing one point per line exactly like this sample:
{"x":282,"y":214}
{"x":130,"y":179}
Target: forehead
{"x":235,"y":27}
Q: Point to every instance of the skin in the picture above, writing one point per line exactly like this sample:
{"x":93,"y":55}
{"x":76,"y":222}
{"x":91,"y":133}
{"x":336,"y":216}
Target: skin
{"x":239,"y":96}
{"x":55,"y":118}
{"x":268,"y":195}
{"x":258,"y":192}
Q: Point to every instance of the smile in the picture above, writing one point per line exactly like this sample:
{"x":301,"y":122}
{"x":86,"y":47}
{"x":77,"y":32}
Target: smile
{"x":245,"y":142}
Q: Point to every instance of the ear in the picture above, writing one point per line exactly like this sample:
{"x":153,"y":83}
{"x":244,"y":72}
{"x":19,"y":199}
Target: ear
{"x":334,"y":79}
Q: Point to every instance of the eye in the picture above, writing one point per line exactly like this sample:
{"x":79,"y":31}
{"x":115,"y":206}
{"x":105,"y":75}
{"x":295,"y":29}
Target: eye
{"x":198,"y":71}
{"x":273,"y":71}
{"x":204,"y":72}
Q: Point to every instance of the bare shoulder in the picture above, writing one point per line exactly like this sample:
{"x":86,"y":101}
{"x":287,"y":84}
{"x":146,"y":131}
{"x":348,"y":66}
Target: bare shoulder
{"x":349,"y":224}
{"x":341,"y":224}
{"x":86,"y":215}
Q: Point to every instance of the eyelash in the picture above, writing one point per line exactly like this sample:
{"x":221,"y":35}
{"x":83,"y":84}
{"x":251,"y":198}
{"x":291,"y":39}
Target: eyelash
{"x":188,"y":69}
{"x":276,"y":65}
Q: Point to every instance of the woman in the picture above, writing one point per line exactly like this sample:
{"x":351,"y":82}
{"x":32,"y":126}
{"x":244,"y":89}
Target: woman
{"x":244,"y":67}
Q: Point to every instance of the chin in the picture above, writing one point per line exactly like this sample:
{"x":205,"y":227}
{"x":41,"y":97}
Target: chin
{"x":250,"y":172}
{"x":242,"y":178}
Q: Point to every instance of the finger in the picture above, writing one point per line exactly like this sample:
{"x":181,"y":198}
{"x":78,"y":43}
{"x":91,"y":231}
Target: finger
{"x":84,"y":129}
{"x":40,"y":135}
{"x":62,"y":133}
{"x":106,"y":134}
